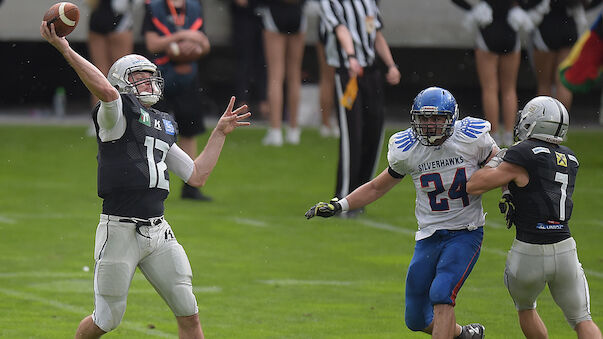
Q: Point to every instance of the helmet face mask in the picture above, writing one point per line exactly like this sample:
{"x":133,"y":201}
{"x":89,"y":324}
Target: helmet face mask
{"x":123,"y":76}
{"x":542,"y":118}
{"x":433,"y":115}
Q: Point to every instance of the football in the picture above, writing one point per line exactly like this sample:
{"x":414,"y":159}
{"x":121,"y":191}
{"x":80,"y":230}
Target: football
{"x":184,"y":51}
{"x":64,"y":16}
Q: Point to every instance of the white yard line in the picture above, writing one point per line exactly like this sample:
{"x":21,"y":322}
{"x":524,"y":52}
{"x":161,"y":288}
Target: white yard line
{"x":83,"y":312}
{"x":250,"y":222}
{"x":6,"y":220}
{"x":306,"y":282}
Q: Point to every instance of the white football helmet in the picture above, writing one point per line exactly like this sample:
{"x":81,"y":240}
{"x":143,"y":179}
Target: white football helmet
{"x":120,"y":72}
{"x":542,"y":118}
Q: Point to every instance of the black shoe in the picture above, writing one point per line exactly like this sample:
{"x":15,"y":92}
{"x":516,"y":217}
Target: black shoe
{"x":472,"y":331}
{"x":193,"y":193}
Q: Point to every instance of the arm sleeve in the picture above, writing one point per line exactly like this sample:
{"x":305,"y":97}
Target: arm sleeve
{"x":111,"y":121}
{"x":394,"y":174}
{"x":179,"y":162}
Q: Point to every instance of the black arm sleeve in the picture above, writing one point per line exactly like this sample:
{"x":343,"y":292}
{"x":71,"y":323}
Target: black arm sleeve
{"x":394,"y":174}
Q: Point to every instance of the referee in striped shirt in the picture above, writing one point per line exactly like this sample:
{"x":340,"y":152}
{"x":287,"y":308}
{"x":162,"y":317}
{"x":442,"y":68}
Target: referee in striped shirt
{"x":353,"y":40}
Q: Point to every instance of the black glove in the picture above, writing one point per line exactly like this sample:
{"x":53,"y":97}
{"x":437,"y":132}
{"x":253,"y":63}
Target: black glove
{"x":324,"y":209}
{"x":505,"y":204}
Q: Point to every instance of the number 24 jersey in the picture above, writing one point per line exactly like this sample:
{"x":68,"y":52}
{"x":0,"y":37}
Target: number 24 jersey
{"x":440,"y":174}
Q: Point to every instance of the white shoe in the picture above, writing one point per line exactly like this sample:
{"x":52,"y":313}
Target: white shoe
{"x":329,"y":132}
{"x":335,"y":131}
{"x":274,"y":137}
{"x":293,"y":135}
{"x":325,"y":131}
{"x":497,"y":138}
{"x":507,"y":139}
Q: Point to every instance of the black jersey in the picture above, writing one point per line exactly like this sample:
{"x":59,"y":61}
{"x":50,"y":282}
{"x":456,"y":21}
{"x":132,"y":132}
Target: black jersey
{"x":544,"y":206}
{"x":132,"y":176}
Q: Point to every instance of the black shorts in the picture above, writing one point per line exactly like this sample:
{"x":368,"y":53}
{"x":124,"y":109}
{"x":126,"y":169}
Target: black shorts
{"x":284,"y":18}
{"x":104,"y":21}
{"x":186,"y":108}
{"x":498,"y":37}
{"x":556,"y":31}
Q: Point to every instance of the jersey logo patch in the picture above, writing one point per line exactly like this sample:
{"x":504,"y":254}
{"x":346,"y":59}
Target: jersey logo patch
{"x":145,"y":118}
{"x":157,"y":125}
{"x":472,"y":127}
{"x":405,"y":140}
{"x":537,"y":150}
{"x":169,"y":128}
{"x":561,"y":159}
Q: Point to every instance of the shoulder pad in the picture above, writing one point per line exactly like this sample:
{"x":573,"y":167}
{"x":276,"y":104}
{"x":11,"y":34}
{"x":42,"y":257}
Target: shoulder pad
{"x":470,"y":129}
{"x":400,"y":146}
{"x":403,"y":140}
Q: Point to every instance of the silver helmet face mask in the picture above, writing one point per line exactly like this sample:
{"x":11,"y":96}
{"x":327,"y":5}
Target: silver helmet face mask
{"x":543,"y":118}
{"x":120,"y":76}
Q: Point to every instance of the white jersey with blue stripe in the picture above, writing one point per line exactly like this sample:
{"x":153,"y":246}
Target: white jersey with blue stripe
{"x":440,"y":174}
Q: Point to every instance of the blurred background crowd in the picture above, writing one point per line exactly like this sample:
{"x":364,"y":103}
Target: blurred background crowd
{"x":433,"y":42}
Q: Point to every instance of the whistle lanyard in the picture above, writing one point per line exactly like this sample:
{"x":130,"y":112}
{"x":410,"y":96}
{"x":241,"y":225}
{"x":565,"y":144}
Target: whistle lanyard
{"x":178,"y":18}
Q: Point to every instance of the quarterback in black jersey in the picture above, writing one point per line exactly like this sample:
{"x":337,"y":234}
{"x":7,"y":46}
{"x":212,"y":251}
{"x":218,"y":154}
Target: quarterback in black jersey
{"x":541,"y":175}
{"x":136,"y":148}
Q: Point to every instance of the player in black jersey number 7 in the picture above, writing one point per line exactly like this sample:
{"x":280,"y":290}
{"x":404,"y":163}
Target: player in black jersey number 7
{"x":136,"y":148}
{"x":540,"y":174}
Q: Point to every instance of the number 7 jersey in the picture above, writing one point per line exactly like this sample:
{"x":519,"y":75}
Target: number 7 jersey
{"x":440,"y":174}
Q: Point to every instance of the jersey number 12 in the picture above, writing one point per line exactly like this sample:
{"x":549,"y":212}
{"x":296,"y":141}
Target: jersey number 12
{"x":157,"y":170}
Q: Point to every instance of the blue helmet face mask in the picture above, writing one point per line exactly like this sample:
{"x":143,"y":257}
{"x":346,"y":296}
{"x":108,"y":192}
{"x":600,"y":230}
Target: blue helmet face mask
{"x":433,"y":114}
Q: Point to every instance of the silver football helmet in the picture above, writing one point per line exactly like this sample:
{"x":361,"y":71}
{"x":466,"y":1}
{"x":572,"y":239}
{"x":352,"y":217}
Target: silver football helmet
{"x":542,"y":118}
{"x":120,"y":77}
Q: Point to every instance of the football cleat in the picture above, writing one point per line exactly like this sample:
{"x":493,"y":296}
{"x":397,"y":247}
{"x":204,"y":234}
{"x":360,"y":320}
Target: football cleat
{"x":472,"y":331}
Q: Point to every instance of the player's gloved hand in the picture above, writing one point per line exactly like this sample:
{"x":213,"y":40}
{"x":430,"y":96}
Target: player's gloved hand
{"x":506,"y":206}
{"x":497,"y":159}
{"x":324,"y":209}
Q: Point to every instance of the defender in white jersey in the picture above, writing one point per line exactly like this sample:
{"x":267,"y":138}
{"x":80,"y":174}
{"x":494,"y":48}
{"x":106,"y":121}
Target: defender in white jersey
{"x":440,"y":154}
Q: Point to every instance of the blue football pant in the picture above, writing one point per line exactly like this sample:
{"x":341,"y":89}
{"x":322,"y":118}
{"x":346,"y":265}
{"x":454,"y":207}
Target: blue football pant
{"x":439,"y":267}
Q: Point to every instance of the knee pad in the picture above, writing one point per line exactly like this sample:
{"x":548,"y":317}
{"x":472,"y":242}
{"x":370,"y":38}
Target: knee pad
{"x":111,"y":285}
{"x":183,"y":302}
{"x":108,"y":312}
{"x":415,"y":321}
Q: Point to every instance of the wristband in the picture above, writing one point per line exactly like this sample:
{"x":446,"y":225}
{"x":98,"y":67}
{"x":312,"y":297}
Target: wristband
{"x":353,"y":55}
{"x":344,"y":204}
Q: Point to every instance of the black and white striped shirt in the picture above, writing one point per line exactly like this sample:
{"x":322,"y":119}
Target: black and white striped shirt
{"x":363,"y":20}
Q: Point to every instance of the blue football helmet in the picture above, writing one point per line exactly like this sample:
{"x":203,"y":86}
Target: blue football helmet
{"x":429,"y":103}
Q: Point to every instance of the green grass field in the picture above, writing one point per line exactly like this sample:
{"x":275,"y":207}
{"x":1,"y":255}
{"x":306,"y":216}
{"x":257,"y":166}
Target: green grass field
{"x":261,"y":270}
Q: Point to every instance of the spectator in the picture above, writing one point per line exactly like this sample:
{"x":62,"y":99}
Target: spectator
{"x":556,"y":32}
{"x":497,"y":57}
{"x":352,"y":47}
{"x":284,"y":32}
{"x":250,"y":75}
{"x":439,"y":153}
{"x":173,"y":32}
{"x":136,"y":148}
{"x":541,"y":176}
{"x":326,"y":84}
{"x":110,"y":33}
